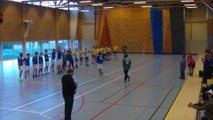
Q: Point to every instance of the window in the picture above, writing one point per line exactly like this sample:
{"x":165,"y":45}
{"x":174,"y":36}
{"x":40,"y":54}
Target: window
{"x":11,"y":50}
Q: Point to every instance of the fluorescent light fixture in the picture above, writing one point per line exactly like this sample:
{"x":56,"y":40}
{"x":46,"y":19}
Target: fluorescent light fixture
{"x":85,"y":1}
{"x":189,"y":5}
{"x":192,"y":7}
{"x":84,"y":11}
{"x":97,"y":4}
{"x":187,"y":0}
{"x":108,"y":7}
{"x":146,"y":6}
{"x":140,"y":2}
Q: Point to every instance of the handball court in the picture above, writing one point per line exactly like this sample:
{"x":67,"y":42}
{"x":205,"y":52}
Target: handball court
{"x":149,"y":95}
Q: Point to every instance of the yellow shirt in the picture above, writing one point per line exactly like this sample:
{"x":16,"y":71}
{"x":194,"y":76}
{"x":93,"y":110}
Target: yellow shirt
{"x":81,"y":53}
{"x":93,"y":51}
{"x":115,"y":48}
{"x":76,"y":54}
{"x":86,"y":53}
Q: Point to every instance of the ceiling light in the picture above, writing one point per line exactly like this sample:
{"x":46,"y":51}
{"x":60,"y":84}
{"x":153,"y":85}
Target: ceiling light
{"x":97,"y":4}
{"x":84,"y":11}
{"x":187,"y":0}
{"x":140,"y":2}
{"x":192,"y":7}
{"x":146,"y":6}
{"x":189,"y":5}
{"x":108,"y":7}
{"x":85,"y":1}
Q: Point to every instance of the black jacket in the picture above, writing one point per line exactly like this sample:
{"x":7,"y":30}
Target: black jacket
{"x":68,"y":85}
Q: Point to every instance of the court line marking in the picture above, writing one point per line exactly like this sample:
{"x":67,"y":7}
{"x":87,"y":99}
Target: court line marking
{"x":128,"y":93}
{"x":98,"y":87}
{"x":56,"y":93}
{"x":11,"y":109}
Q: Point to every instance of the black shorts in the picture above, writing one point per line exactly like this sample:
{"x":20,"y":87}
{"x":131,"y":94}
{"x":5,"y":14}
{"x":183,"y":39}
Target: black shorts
{"x":191,"y":65}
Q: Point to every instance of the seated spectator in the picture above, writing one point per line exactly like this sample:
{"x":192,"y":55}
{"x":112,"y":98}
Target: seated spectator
{"x":207,"y":105}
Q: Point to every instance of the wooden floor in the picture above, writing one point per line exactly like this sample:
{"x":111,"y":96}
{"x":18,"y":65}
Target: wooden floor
{"x":149,"y":95}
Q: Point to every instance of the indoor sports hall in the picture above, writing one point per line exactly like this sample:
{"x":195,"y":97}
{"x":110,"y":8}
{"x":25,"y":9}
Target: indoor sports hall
{"x":106,"y":59}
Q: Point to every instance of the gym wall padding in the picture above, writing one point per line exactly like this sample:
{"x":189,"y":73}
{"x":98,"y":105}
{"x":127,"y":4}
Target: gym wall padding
{"x":178,"y":30}
{"x":157,"y":33}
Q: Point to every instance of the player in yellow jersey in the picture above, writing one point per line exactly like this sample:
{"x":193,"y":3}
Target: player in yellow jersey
{"x":86,"y":53}
{"x":115,"y":48}
{"x":76,"y":58}
{"x":81,"y":57}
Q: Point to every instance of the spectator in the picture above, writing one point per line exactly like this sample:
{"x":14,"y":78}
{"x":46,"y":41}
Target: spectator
{"x":182,"y":67}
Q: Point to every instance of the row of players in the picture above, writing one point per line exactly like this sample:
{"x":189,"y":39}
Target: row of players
{"x":65,"y":60}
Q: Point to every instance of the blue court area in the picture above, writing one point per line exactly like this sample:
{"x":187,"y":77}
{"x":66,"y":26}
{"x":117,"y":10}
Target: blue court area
{"x":151,"y":91}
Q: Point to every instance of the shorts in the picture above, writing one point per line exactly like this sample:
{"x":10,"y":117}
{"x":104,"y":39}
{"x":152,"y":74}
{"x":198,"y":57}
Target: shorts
{"x":27,"y":67}
{"x":67,"y":63}
{"x":21,"y":67}
{"x":86,"y":58}
{"x":100,"y":66}
{"x":59,"y":61}
{"x":115,"y":52}
{"x":93,"y":56}
{"x":191,"y":65}
{"x":81,"y":59}
{"x":40,"y":65}
{"x":52,"y":62}
{"x":35,"y":66}
{"x":47,"y":63}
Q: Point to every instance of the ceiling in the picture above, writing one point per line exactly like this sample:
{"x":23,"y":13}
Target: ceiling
{"x":117,"y":3}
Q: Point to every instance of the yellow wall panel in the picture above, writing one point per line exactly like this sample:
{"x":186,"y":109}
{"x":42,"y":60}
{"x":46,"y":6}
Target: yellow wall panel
{"x":167,"y":35}
{"x":128,"y":25}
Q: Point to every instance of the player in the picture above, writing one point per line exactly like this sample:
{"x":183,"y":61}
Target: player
{"x":93,"y":54}
{"x":59,"y":57}
{"x":86,"y":53}
{"x":81,"y":57}
{"x":76,"y":58}
{"x":41,"y":62}
{"x":46,"y":57}
{"x":115,"y":48}
{"x":100,"y":61}
{"x":20,"y":66}
{"x":53,"y":60}
{"x":35,"y":65}
{"x":27,"y":66}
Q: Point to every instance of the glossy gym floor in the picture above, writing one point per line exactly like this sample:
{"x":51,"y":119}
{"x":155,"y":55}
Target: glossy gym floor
{"x":152,"y":89}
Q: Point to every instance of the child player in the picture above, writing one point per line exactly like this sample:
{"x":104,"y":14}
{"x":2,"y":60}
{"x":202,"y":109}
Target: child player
{"x":81,"y":57}
{"x":27,"y":66}
{"x":126,"y":66}
{"x":35,"y":64}
{"x":41,"y":62}
{"x":46,"y":57}
{"x":100,"y":61}
{"x":59,"y":57}
{"x":86,"y":52}
{"x":20,"y":66}
{"x":76,"y":58}
{"x":53,"y":60}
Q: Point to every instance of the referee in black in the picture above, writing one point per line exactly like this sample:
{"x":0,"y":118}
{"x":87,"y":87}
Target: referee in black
{"x":69,"y":87}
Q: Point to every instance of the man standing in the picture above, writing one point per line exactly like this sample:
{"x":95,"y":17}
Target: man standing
{"x":182,"y":67}
{"x":124,"y":48}
{"x":68,"y":89}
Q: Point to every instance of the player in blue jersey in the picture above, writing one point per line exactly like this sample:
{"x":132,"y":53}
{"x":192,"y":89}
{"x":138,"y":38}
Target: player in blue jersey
{"x":100,"y":61}
{"x":59,"y":57}
{"x":46,"y":58}
{"x":27,"y":66}
{"x":68,"y":57}
{"x":53,"y":54}
{"x":41,"y":62}
{"x":35,"y":64}
{"x":20,"y":66}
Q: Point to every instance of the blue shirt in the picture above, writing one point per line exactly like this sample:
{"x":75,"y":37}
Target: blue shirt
{"x":20,"y":61}
{"x":68,"y":57}
{"x":59,"y":55}
{"x":46,"y":57}
{"x":53,"y":55}
{"x":35,"y":60}
{"x":100,"y":59}
{"x":40,"y":59}
{"x":27,"y":61}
